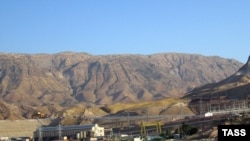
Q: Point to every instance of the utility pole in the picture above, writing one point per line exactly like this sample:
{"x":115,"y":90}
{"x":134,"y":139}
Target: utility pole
{"x":210,"y":110}
{"x":40,"y":134}
{"x":147,"y":115}
{"x":244,"y":104}
{"x":200,"y":106}
{"x":59,"y":132}
{"x":233,"y":105}
{"x":219,"y":106}
{"x":128,"y":118}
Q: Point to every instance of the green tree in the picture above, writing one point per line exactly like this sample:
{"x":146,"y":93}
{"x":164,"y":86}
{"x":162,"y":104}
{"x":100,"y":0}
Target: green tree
{"x":187,"y":129}
{"x":167,"y":133}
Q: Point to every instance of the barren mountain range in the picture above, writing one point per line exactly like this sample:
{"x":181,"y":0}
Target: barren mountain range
{"x":51,"y":82}
{"x":236,"y":86}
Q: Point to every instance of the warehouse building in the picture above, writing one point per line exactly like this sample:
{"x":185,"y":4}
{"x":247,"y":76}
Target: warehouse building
{"x":79,"y":132}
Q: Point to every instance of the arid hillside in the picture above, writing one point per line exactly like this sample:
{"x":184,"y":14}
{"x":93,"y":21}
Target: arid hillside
{"x":51,"y":82}
{"x":234,"y":87}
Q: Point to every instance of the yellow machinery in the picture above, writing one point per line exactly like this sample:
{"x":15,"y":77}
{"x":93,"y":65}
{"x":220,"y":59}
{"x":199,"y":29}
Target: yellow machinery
{"x":146,"y":124}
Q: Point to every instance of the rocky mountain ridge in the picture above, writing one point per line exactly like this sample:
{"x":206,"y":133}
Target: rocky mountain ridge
{"x":52,"y":81}
{"x":236,"y":86}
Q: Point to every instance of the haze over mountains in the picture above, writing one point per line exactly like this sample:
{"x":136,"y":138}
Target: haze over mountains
{"x":51,"y":82}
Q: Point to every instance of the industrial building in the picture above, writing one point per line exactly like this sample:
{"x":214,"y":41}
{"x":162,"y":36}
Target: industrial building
{"x":72,"y":132}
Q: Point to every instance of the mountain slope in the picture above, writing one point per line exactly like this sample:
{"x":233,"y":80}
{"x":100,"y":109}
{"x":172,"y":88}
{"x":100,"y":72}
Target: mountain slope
{"x":236,"y":86}
{"x":63,"y":79}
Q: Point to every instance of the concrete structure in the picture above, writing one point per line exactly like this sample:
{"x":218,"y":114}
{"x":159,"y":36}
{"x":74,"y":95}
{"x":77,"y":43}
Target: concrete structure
{"x":68,"y":132}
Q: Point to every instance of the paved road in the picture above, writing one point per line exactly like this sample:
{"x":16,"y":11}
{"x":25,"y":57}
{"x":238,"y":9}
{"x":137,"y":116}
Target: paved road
{"x":124,"y":118}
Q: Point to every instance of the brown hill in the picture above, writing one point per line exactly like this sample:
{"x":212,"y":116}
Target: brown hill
{"x":236,"y":86}
{"x":45,"y":82}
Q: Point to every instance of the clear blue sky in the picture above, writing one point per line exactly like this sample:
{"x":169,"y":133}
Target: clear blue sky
{"x":103,"y":27}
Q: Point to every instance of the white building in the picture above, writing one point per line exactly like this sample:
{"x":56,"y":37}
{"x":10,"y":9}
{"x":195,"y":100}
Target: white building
{"x":208,"y":114}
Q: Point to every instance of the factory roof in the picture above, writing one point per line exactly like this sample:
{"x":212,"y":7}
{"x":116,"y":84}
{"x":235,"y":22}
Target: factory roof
{"x":70,"y":127}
